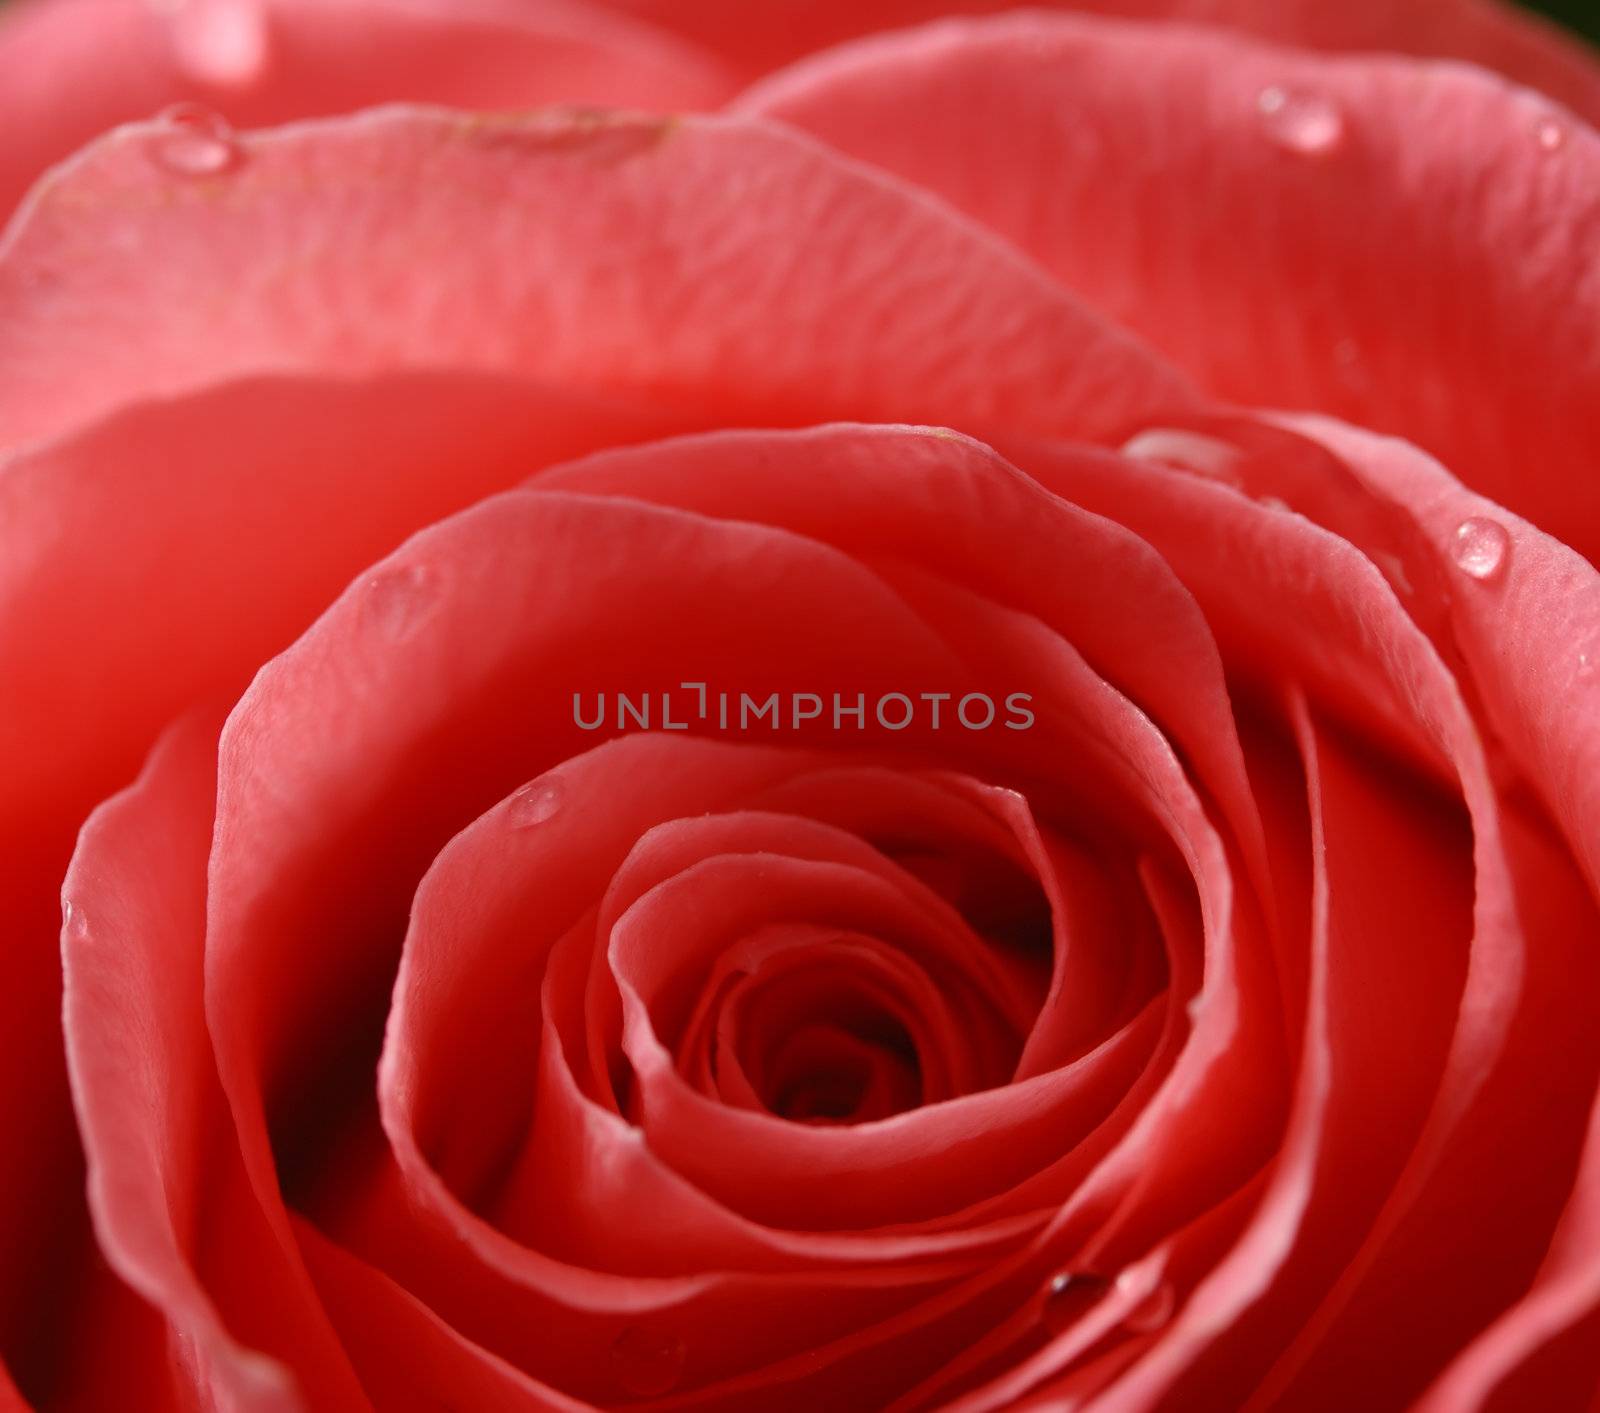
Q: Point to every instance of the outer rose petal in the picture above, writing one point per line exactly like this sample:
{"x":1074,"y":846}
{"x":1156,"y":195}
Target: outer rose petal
{"x":1380,"y":1018}
{"x":1543,"y":1346}
{"x":1529,"y":633}
{"x":70,"y":69}
{"x":732,"y":266}
{"x":1498,"y":36}
{"x":440,"y":1367}
{"x":145,"y":1088}
{"x":1268,"y":272}
{"x":254,"y":505}
{"x":229,"y":563}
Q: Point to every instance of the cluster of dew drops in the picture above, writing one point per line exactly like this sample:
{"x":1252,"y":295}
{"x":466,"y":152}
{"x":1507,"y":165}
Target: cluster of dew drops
{"x":1313,"y":125}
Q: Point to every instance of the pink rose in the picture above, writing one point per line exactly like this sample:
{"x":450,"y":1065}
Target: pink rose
{"x":926,"y":735}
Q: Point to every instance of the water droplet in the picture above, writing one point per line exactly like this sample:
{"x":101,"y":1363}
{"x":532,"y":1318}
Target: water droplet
{"x":648,"y":1364}
{"x":73,"y":921}
{"x":221,"y":43}
{"x":535,"y":802}
{"x":192,"y":141}
{"x":1151,"y":1312}
{"x":400,"y":600}
{"x":1480,"y":547}
{"x":1586,"y":666}
{"x":1188,"y":451}
{"x":1068,"y":1296}
{"x":1300,"y":122}
{"x":1550,"y":135}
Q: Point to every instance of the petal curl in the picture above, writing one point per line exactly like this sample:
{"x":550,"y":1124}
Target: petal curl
{"x":161,"y":1165}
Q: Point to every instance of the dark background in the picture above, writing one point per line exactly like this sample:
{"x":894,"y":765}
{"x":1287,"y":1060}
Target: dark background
{"x":1581,"y":15}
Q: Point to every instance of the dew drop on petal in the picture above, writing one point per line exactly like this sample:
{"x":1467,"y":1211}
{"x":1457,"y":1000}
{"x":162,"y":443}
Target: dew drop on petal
{"x":192,"y":141}
{"x":1153,"y":1311}
{"x":1300,"y":122}
{"x":1068,"y":1295}
{"x":647,"y":1364}
{"x":1550,"y":135}
{"x":535,"y":803}
{"x":221,"y":43}
{"x":1480,"y":547}
{"x":73,"y":921}
{"x":400,"y":600}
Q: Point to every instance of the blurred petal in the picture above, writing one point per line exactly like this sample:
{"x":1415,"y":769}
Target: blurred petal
{"x":1497,"y":35}
{"x":70,"y":69}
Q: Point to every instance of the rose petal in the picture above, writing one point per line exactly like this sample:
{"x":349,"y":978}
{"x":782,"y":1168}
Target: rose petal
{"x":305,"y":256}
{"x":897,"y":494}
{"x":870,"y":1362}
{"x":70,"y":69}
{"x":1519,"y":1037}
{"x":471,"y":938}
{"x":971,"y":977}
{"x":1528,"y":630}
{"x":1300,"y":575}
{"x":407,"y":1355}
{"x":146,"y":1096}
{"x":170,"y":550}
{"x":1251,"y":212}
{"x":1105,"y":954}
{"x":1225,"y":1046}
{"x":1541,"y":1348}
{"x":1380,"y":1023}
{"x":452,"y":699}
{"x":174,"y":548}
{"x":1523,"y":46}
{"x":473,"y":935}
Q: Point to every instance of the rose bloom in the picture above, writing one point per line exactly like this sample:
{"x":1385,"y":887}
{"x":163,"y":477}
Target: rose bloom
{"x":1222,"y":376}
